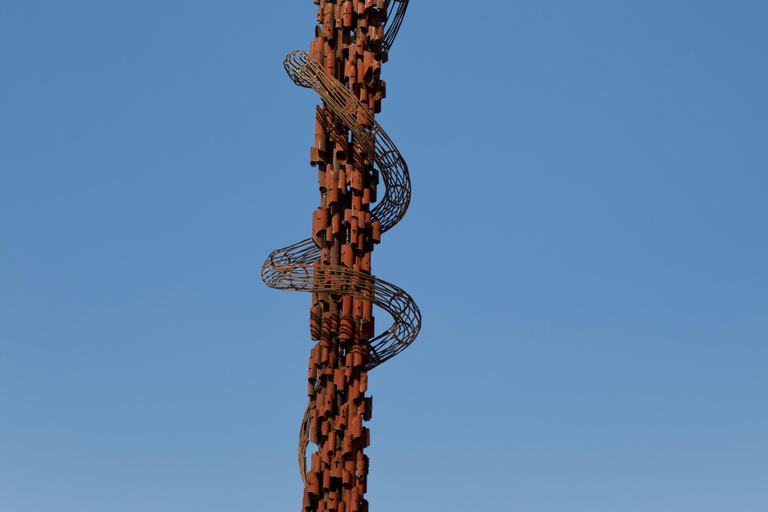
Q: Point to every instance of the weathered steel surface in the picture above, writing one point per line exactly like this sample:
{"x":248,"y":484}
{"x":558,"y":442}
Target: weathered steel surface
{"x":348,"y":109}
{"x":352,"y":152}
{"x":294,"y":268}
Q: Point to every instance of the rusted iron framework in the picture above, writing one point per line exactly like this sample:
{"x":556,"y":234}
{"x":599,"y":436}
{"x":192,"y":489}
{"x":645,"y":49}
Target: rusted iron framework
{"x":352,"y":153}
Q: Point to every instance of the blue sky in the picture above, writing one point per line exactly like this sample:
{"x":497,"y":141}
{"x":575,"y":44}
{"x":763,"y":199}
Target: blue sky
{"x":587,"y":242}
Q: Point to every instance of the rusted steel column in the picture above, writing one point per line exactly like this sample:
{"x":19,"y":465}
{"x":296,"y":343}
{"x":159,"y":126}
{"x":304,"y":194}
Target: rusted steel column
{"x":352,"y":154}
{"x":345,"y":44}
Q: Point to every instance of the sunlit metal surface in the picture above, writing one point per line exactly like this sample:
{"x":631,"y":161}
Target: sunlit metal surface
{"x":352,"y":152}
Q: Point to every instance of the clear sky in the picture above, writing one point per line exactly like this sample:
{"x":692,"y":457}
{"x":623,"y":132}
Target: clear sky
{"x":587,"y":242}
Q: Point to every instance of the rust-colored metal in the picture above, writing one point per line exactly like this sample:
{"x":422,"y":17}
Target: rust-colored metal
{"x":352,"y":153}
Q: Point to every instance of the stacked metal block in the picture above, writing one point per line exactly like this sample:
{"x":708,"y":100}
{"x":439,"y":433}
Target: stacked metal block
{"x":352,"y":154}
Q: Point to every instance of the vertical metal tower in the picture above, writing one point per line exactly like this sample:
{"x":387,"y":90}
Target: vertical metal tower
{"x":353,"y":155}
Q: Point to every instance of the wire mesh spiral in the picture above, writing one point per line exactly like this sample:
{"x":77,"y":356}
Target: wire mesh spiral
{"x":297,"y":267}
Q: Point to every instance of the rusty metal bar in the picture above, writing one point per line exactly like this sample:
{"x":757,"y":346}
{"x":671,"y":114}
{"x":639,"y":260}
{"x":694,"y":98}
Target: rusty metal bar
{"x":352,"y":153}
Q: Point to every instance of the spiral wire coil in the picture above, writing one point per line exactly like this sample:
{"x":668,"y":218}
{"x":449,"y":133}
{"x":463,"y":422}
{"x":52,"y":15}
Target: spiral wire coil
{"x":297,"y":267}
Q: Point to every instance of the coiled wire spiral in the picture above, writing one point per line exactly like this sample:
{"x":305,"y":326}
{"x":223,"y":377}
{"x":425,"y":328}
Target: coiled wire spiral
{"x":296,"y":267}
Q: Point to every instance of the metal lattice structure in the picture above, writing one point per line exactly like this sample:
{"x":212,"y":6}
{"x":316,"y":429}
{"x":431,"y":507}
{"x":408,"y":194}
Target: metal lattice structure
{"x":352,"y":153}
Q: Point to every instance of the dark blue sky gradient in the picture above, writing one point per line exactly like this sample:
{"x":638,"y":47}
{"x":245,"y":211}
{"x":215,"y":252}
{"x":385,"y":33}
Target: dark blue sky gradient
{"x":587,"y":241}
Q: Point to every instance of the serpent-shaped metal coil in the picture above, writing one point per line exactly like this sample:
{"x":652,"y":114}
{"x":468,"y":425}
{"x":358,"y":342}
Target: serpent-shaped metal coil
{"x":298,"y":267}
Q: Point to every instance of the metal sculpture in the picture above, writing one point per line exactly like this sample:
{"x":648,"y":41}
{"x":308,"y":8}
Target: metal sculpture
{"x":352,"y":152}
